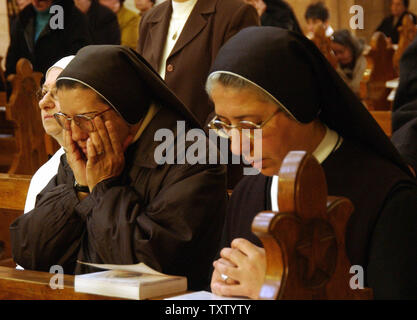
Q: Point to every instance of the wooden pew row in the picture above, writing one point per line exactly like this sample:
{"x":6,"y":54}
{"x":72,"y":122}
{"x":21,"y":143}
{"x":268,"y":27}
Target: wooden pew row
{"x":383,"y":65}
{"x":305,"y":241}
{"x":13,"y":190}
{"x":25,"y":284}
{"x":35,"y":285}
{"x":286,"y":235}
{"x":408,"y":32}
{"x":380,"y":69}
{"x":22,"y":137}
{"x":324,"y":44}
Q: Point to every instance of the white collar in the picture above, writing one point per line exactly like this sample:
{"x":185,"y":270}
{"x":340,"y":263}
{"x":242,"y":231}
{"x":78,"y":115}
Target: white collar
{"x":330,"y":143}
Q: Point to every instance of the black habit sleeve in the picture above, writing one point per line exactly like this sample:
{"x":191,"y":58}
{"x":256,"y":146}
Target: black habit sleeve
{"x":176,"y":232}
{"x":404,"y":115}
{"x":51,"y":233}
{"x":392,"y":267}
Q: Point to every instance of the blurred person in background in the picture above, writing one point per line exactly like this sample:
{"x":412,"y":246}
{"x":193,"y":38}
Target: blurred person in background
{"x":128,"y":22}
{"x":351,"y":62}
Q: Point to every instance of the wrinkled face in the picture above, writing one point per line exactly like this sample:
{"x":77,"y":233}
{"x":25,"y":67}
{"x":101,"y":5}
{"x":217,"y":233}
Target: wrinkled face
{"x":397,"y":8}
{"x":113,"y":5}
{"x":343,"y":54}
{"x":143,"y":5}
{"x":41,"y":5}
{"x":279,"y":136}
{"x":86,"y":101}
{"x":49,"y":104}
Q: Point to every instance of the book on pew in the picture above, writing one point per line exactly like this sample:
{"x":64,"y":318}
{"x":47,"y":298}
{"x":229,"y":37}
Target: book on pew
{"x":203,"y":295}
{"x":136,"y":281}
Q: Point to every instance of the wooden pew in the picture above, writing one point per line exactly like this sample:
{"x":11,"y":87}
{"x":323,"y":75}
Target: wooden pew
{"x":305,"y":241}
{"x":25,"y":146}
{"x":324,"y":44}
{"x":35,"y":285}
{"x":380,"y":70}
{"x":13,"y":190}
{"x":407,"y":31}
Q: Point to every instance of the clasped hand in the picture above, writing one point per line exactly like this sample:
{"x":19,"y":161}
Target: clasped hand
{"x":244,"y":264}
{"x":104,"y":158}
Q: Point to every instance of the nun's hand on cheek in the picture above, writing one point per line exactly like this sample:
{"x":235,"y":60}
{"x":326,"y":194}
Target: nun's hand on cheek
{"x":75,"y":158}
{"x":105,"y":153}
{"x":245,"y":264}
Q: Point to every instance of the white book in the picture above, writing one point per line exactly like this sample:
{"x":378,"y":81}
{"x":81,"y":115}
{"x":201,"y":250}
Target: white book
{"x":203,"y":295}
{"x":136,"y":281}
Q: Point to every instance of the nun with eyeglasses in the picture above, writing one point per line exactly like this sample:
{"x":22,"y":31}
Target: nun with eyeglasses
{"x":277,"y":81}
{"x":113,"y":201}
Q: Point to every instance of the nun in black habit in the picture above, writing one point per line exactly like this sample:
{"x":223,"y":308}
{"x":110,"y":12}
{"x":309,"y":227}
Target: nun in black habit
{"x":404,"y":110}
{"x":280,"y":82}
{"x":112,"y":200}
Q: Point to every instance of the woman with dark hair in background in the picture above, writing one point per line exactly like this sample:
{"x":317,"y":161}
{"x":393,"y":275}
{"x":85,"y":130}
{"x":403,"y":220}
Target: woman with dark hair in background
{"x":351,"y":62}
{"x":33,"y":38}
{"x":389,"y":26}
{"x":276,"y":13}
{"x":317,"y":13}
{"x":102,"y":22}
{"x":128,"y":22}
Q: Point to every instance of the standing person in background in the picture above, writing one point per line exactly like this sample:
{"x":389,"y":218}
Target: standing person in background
{"x":144,"y":5}
{"x":128,"y":21}
{"x":389,"y":26}
{"x":33,"y":38}
{"x":317,"y":13}
{"x":181,"y":38}
{"x":14,"y":11}
{"x":102,"y":22}
{"x":276,"y":13}
{"x":351,"y":62}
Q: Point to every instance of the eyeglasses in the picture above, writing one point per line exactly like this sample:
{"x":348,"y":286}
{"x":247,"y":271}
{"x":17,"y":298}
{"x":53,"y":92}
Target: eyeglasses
{"x":82,"y":121}
{"x":224,"y":130}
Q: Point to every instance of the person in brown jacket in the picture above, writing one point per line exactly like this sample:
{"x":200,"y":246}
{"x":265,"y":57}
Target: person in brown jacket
{"x":181,"y":38}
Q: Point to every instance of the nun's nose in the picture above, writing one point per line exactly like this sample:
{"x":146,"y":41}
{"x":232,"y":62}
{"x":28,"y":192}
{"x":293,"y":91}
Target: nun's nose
{"x":235,"y":141}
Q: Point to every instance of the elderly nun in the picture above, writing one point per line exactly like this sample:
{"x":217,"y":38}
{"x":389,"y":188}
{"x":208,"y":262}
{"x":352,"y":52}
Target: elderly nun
{"x":112,"y":201}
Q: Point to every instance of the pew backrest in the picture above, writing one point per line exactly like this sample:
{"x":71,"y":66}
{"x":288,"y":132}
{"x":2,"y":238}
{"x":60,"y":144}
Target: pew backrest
{"x":13,"y":190}
{"x":324,"y":44}
{"x":26,"y":147}
{"x":305,"y":241}
{"x":408,"y":32}
{"x":380,"y":70}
